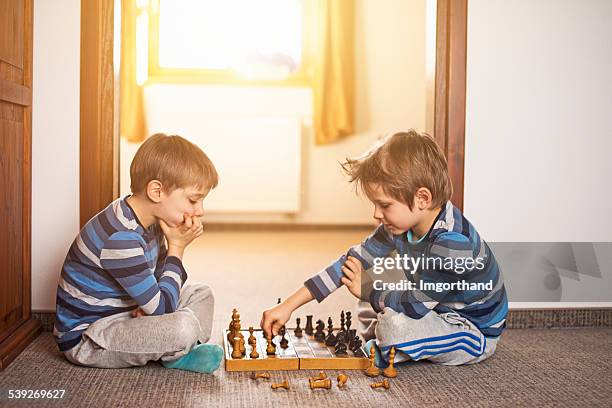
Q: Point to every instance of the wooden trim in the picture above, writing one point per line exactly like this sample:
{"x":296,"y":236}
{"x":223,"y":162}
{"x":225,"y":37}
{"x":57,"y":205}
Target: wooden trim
{"x":18,"y":341}
{"x":450,"y":89}
{"x":26,"y":328}
{"x":99,"y":170}
{"x":15,"y":93}
{"x":27,"y":173}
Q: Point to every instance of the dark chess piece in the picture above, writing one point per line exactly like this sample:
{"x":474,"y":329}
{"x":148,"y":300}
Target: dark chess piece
{"x":351,"y":338}
{"x":298,"y":329}
{"x":341,"y":338}
{"x":308,"y":329}
{"x":284,"y":343}
{"x":330,"y":340}
{"x":319,"y":335}
{"x":348,"y":321}
{"x":340,"y":348}
{"x":356,"y":349}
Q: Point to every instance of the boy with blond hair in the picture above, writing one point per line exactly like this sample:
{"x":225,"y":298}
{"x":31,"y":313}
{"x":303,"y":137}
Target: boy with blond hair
{"x":121,"y":300}
{"x":451,"y":307}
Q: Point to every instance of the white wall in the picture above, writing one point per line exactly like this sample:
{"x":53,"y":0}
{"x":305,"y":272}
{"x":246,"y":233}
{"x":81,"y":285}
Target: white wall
{"x":538,"y":131}
{"x":55,"y":143}
{"x":538,"y":139}
{"x":390,"y":96}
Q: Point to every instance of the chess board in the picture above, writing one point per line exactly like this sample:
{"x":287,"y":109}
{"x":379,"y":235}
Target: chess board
{"x":303,"y":353}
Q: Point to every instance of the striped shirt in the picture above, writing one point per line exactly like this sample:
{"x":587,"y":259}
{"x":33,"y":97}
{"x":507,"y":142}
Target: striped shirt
{"x":115,"y":265}
{"x":450,"y":239}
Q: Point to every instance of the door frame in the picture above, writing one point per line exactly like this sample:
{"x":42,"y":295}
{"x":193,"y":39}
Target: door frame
{"x":99,"y":164}
{"x":25,"y":330}
{"x":99,"y":139}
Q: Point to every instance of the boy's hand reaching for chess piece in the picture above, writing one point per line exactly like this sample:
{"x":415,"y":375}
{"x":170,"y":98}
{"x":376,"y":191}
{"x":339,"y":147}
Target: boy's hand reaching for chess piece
{"x":275,"y":318}
{"x":352,"y":270}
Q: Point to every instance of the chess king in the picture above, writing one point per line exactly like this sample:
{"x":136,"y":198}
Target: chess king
{"x":405,"y":176}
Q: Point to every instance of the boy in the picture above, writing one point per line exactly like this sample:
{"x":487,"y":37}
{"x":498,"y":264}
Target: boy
{"x":119,"y":300}
{"x":453,"y":306}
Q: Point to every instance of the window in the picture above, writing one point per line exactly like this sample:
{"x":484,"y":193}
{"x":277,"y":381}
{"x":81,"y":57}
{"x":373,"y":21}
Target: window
{"x":230,"y":41}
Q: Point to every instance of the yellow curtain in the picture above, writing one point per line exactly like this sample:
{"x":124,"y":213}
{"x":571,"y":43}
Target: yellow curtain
{"x":132,"y":123}
{"x":334,"y":111}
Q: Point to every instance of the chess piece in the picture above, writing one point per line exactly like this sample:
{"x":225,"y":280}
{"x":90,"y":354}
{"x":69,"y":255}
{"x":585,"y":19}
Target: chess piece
{"x":340,"y":349}
{"x":330,"y":340}
{"x":236,"y":353}
{"x":351,"y":338}
{"x":298,"y":330}
{"x":372,"y":370}
{"x":356,"y":349}
{"x":322,"y":384}
{"x":320,"y":376}
{"x":284,"y":343}
{"x":309,"y":329}
{"x":342,"y":379}
{"x":319,"y":335}
{"x":340,"y":338}
{"x":383,"y":384}
{"x":252,"y":339}
{"x":390,"y":371}
{"x":256,"y":375}
{"x":271,"y":349}
{"x":348,"y":321}
{"x":254,"y":354}
{"x":284,"y":384}
{"x":242,"y":347}
{"x":342,"y":322}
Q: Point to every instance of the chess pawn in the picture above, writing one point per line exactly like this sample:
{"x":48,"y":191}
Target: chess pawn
{"x":271,"y":349}
{"x":356,"y":349}
{"x":298,"y":330}
{"x":383,"y":384}
{"x":342,"y":379}
{"x":323,"y":384}
{"x":284,"y":384}
{"x":236,"y":353}
{"x":340,"y":349}
{"x":372,"y":370}
{"x":390,"y":371}
{"x":255,"y":375}
{"x":284,"y":343}
{"x":309,"y":329}
{"x":252,"y":339}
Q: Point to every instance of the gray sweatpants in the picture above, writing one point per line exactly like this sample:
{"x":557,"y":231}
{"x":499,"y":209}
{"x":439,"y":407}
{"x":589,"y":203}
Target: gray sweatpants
{"x":124,"y":341}
{"x":445,"y":338}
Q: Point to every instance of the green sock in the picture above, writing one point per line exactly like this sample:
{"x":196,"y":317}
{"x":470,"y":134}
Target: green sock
{"x":203,"y":358}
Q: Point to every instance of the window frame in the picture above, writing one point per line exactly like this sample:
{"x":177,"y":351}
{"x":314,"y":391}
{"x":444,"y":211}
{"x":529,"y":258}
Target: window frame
{"x":157,"y":74}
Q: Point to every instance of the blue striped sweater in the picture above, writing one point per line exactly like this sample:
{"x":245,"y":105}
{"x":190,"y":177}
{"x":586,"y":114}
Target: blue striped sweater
{"x":451,"y":236}
{"x":115,"y":265}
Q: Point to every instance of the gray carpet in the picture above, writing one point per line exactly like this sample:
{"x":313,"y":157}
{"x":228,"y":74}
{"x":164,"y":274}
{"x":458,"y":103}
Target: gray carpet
{"x":532,"y":367}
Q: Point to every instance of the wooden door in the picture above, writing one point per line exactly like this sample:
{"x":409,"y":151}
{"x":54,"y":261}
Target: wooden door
{"x":17,"y":328}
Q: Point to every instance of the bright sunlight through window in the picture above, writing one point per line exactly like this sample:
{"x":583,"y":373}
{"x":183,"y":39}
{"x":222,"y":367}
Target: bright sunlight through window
{"x":260,"y":39}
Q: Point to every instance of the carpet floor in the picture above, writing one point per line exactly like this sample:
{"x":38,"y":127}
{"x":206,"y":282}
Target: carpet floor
{"x":532,"y":367}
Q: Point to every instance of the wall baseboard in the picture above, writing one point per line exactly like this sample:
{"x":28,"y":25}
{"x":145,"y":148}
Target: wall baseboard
{"x":528,"y":318}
